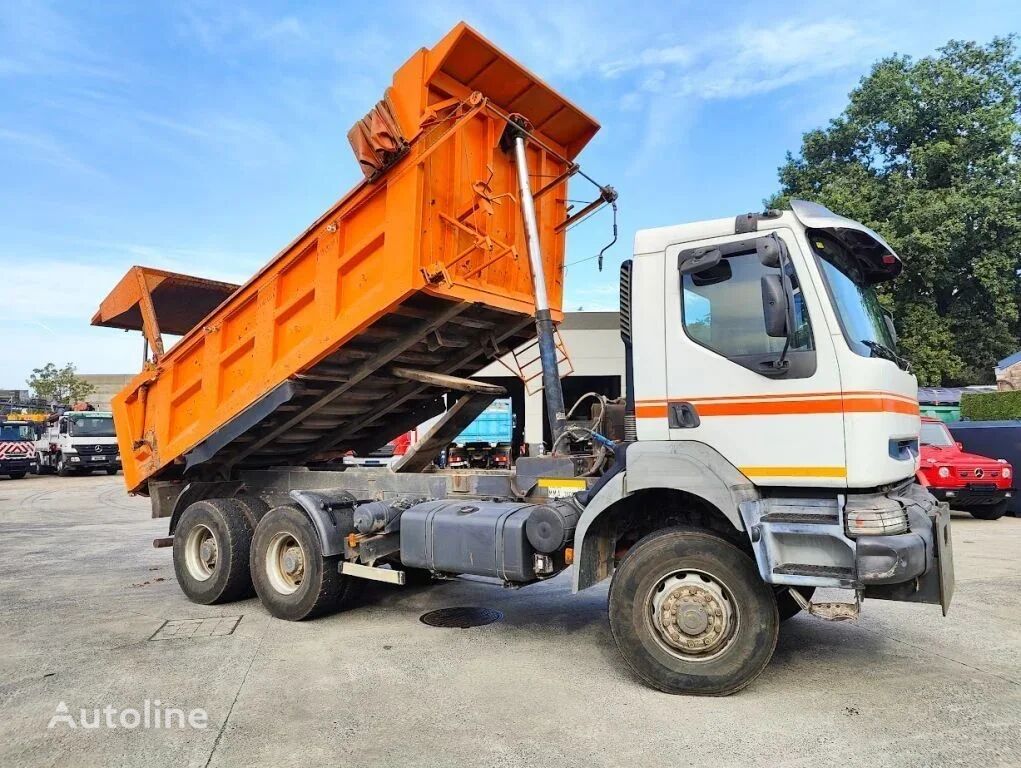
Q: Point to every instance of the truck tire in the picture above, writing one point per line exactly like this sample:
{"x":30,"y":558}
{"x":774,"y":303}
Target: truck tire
{"x":63,"y":468}
{"x":112,"y":471}
{"x":786,"y":605}
{"x":292,"y":578}
{"x":212,"y":541}
{"x":989,"y":511}
{"x":17,"y":475}
{"x":721,"y":618}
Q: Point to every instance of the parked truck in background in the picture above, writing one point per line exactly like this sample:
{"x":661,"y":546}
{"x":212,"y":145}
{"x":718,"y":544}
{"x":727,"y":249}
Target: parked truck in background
{"x":975,"y":484}
{"x":78,"y":442}
{"x":17,"y":448}
{"x":767,"y":446}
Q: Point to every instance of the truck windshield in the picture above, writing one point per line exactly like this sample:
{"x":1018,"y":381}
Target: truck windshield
{"x":16,"y":432}
{"x":91,"y":426}
{"x":935,"y":434}
{"x":857,"y":306}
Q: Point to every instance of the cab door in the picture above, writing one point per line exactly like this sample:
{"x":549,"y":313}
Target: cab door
{"x":767,"y":398}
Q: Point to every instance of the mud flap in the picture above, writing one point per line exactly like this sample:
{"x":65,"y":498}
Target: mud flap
{"x":944,"y":556}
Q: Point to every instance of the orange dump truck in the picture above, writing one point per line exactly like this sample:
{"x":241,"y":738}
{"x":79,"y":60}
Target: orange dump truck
{"x":702,"y":498}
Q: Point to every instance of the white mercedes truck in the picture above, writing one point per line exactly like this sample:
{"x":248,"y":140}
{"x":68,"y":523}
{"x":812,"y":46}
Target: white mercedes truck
{"x":79,"y":443}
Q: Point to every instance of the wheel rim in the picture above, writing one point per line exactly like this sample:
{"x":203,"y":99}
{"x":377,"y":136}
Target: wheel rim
{"x":692,"y":614}
{"x":285,"y":563}
{"x":201,"y":552}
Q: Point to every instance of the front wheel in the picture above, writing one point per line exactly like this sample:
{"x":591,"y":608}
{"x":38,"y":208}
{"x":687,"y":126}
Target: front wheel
{"x":17,"y":475}
{"x":690,"y":614}
{"x":111,"y":471}
{"x":63,"y":468}
{"x":292,"y":578}
{"x":989,"y":511}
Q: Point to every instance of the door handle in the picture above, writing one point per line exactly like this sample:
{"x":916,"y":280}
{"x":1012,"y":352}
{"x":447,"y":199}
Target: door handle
{"x":682,"y":415}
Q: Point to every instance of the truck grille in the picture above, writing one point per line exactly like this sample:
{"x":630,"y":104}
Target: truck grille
{"x":96,"y":450}
{"x":978,"y":473}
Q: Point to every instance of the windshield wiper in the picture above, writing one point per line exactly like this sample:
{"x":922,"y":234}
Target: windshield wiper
{"x":883,"y":351}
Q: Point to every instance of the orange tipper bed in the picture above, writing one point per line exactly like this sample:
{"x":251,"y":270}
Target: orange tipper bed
{"x":422,"y":265}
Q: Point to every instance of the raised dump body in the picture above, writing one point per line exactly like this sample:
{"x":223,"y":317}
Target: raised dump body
{"x":423,"y":265}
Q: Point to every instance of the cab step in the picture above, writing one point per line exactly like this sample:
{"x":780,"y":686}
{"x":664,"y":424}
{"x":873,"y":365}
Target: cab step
{"x":828,"y":611}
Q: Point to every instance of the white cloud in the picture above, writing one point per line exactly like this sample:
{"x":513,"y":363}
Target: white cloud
{"x":46,"y":149}
{"x":592,"y":298}
{"x":669,"y":82}
{"x":92,"y":350}
{"x":228,"y":28}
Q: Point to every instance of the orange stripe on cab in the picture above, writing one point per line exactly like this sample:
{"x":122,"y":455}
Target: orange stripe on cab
{"x":849,"y":403}
{"x":794,"y":471}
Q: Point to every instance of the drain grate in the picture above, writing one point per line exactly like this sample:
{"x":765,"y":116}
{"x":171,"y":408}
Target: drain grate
{"x":186,"y":629}
{"x":461,"y":617}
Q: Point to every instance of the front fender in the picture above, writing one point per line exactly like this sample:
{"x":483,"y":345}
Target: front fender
{"x":681,"y":465}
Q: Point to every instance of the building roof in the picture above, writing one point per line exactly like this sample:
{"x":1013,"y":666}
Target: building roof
{"x":1010,"y":360}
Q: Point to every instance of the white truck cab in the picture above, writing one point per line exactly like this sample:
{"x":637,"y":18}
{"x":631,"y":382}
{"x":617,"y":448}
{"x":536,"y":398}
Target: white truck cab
{"x":79,"y":442}
{"x":829,"y":405}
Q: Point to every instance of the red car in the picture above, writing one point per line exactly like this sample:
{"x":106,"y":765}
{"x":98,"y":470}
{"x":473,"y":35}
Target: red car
{"x":968,"y":482}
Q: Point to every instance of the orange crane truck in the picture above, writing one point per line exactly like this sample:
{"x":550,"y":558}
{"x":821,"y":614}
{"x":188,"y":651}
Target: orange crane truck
{"x":767,"y":445}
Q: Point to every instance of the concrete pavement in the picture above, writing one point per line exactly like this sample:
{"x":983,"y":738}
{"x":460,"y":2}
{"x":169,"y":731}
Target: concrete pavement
{"x":83,"y":599}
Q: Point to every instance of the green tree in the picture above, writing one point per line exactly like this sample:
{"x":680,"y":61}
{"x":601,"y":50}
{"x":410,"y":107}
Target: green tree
{"x":59,"y":385}
{"x":927,"y":154}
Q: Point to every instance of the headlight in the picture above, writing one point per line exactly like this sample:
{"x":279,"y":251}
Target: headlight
{"x":1006,"y":472}
{"x":876,"y":522}
{"x":944,"y":472}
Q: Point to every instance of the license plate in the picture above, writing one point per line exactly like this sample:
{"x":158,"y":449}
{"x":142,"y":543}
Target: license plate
{"x":98,"y":458}
{"x":945,"y":557}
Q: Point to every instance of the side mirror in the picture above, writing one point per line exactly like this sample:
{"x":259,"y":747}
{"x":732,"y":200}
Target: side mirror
{"x":774,"y":306}
{"x":768,"y":249}
{"x":62,"y":429}
{"x":699,"y":260}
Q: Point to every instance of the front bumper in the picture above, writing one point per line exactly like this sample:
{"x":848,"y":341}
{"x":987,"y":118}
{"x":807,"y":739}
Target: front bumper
{"x":972,"y":497}
{"x":917,"y":566}
{"x":803,"y":542}
{"x":8,"y":466}
{"x":86,"y":461}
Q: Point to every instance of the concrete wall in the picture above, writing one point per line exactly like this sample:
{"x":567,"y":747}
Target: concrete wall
{"x":107,"y":385}
{"x":593,"y":342}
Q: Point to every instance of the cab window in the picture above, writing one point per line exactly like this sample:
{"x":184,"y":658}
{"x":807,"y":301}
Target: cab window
{"x":723,"y":311}
{"x":16,"y":432}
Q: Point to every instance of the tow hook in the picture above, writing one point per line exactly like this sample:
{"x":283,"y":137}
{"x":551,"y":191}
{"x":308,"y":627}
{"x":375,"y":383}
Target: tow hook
{"x":829,"y":611}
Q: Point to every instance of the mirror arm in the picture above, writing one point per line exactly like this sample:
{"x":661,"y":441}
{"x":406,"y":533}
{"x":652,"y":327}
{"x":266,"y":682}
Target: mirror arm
{"x":788,"y":295}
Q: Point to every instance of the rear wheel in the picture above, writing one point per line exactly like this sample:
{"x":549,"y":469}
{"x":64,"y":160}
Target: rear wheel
{"x":291,"y":576}
{"x":690,"y":614}
{"x":989,"y":511}
{"x":212,"y":541}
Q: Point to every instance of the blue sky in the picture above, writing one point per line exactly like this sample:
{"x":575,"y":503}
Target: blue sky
{"x":202,"y":137}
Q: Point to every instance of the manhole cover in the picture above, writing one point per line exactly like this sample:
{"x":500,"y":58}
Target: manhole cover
{"x":462,"y":617}
{"x":187,"y":629}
